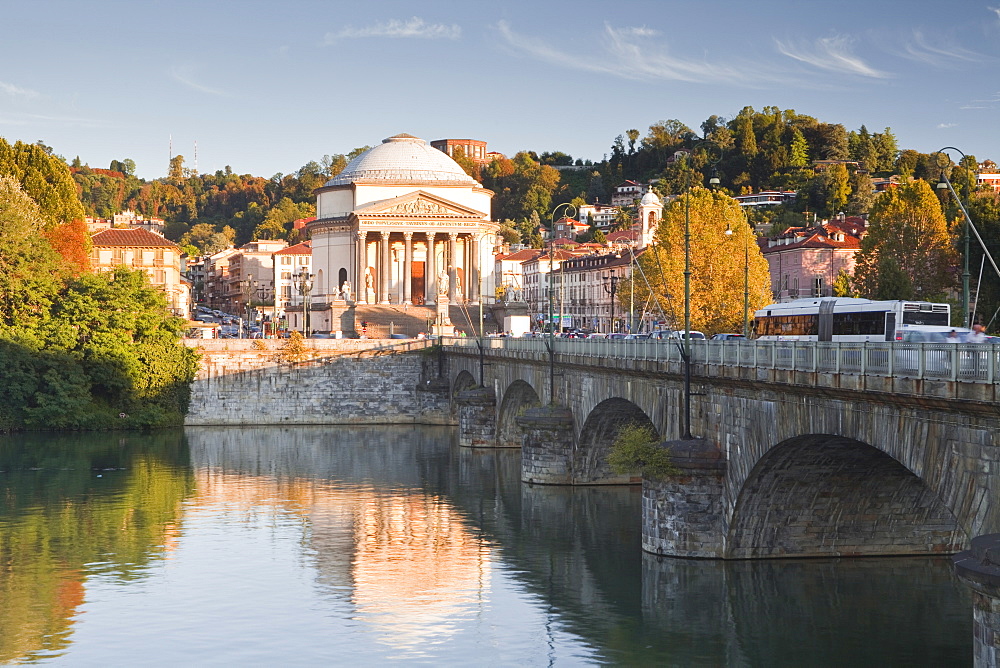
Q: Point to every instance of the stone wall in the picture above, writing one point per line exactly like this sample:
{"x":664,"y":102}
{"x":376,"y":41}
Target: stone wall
{"x":339,"y":382}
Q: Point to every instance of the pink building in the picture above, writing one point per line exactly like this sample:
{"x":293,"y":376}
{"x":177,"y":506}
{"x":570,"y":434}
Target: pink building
{"x":805,"y":261}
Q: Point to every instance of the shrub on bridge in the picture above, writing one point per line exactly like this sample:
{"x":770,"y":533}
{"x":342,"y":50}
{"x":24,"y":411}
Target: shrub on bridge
{"x":636,"y":450}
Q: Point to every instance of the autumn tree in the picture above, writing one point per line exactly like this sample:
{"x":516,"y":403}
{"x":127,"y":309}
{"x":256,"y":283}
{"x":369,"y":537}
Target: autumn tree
{"x":907,"y":252}
{"x":717,"y":264}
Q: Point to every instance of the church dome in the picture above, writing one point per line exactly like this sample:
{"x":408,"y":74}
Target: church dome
{"x":650,"y":199}
{"x":403,"y":159}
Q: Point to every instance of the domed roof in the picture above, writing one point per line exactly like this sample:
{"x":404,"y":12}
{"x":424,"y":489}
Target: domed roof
{"x":403,"y":159}
{"x":650,"y":199}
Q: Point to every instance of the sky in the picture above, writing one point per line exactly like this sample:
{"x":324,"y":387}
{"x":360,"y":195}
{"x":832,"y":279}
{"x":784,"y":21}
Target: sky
{"x":266,"y":87}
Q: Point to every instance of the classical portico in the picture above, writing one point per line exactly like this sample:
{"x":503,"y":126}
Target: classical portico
{"x":402,"y":224}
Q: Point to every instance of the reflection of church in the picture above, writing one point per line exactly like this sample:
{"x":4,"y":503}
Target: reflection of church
{"x":402,"y":224}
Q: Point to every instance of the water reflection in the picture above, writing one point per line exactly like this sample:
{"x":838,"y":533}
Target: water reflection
{"x":377,"y":544}
{"x":72,"y":506}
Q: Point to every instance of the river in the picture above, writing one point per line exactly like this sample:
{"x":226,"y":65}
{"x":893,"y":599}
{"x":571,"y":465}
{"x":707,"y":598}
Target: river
{"x":392,"y":545}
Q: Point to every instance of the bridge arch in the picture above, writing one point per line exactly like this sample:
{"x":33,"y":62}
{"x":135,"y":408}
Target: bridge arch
{"x":601,"y":428}
{"x":463,"y":381}
{"x":826,"y":495}
{"x":518,"y":397}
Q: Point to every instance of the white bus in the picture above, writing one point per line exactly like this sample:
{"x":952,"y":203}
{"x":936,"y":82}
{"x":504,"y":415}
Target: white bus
{"x":848,"y":319}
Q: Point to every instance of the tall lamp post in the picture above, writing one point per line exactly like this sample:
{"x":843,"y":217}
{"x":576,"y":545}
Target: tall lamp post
{"x":568,"y":210}
{"x":261,"y":297}
{"x":713,"y":181}
{"x":304,"y":284}
{"x":247,"y":288}
{"x":945,"y":183}
{"x":610,"y":283}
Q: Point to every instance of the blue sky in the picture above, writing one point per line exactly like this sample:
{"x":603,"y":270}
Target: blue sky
{"x":267,"y":86}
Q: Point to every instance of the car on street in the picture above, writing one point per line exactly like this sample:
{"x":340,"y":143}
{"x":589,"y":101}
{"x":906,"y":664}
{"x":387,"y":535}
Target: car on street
{"x":728,"y":337}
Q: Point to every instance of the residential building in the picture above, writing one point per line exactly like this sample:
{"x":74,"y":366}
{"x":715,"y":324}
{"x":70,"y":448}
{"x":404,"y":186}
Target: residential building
{"x":250,"y":277}
{"x":991,"y":179}
{"x":510,"y":273}
{"x":628,"y":193}
{"x":290,"y":266}
{"x":805,"y":261}
{"x":142,"y":249}
{"x":766,"y":198}
{"x":535,"y":272}
{"x":583,"y":287}
{"x":599,"y":215}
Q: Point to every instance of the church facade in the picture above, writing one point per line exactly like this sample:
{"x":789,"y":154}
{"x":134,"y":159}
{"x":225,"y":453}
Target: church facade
{"x":402,"y":224}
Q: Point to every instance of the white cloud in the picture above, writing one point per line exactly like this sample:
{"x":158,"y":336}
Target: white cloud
{"x":182,"y":74}
{"x":17,"y":91}
{"x":945,"y":126}
{"x":415,"y":27}
{"x":921,"y":50}
{"x":624,"y":55}
{"x":832,"y":54}
{"x":995,"y":10}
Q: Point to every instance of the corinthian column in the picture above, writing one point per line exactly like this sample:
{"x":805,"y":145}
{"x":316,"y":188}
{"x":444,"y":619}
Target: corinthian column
{"x":452,"y":268}
{"x":384,"y":274}
{"x":360,"y":264}
{"x":430,"y":272}
{"x":408,"y":268}
{"x":472,"y":277}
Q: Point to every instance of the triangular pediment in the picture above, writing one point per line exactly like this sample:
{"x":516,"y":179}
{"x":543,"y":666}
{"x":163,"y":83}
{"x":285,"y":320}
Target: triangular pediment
{"x":418,"y":204}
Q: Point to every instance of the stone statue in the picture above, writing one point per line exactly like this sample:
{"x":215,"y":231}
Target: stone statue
{"x":443,"y":283}
{"x":345,"y":291}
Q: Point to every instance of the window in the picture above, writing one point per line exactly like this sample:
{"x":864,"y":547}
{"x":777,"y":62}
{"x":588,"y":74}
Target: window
{"x":286,"y":259}
{"x":286,"y":275}
{"x":818,"y":286}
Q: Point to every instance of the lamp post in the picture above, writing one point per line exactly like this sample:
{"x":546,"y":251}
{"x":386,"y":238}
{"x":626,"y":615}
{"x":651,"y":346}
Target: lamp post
{"x":304,"y":285}
{"x":566,"y":208}
{"x":247,"y":288}
{"x":261,"y":297}
{"x":610,"y":283}
{"x":713,"y":181}
{"x":945,"y":184}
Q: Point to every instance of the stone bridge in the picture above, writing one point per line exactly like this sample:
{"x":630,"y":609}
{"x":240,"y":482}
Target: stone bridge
{"x":790,"y":459}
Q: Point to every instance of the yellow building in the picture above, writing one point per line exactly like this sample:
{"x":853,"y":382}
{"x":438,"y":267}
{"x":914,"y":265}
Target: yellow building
{"x":141,"y":249}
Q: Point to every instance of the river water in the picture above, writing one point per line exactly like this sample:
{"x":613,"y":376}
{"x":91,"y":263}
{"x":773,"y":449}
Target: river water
{"x":391,"y":545}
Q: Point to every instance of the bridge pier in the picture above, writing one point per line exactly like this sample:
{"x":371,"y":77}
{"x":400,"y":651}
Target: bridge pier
{"x":547,"y":449}
{"x":477,"y":421}
{"x":684,"y":515}
{"x":979,"y":568}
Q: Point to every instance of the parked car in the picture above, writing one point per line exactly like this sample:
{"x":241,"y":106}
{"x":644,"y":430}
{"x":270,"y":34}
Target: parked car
{"x":727,"y":337}
{"x":637,"y":337}
{"x":597,"y":335}
{"x":618,"y":336}
{"x":680,"y":334}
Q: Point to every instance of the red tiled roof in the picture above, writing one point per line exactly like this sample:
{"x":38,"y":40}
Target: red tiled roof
{"x":304,"y":248}
{"x":521,"y":255}
{"x":132,"y":237}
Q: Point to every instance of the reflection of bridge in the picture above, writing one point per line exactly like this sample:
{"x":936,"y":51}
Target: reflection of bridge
{"x":806,"y":449}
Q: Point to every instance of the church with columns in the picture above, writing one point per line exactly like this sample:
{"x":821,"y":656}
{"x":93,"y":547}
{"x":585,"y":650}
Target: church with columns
{"x":402,"y":224}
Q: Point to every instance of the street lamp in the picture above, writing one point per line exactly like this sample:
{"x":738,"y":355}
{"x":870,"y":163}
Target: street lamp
{"x":261,"y":297}
{"x":713,"y":181}
{"x":247,"y":288}
{"x":610,"y":283}
{"x":568,"y":210}
{"x":304,"y":285}
{"x":945,"y":184}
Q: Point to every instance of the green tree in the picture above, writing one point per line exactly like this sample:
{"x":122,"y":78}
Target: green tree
{"x":907,"y":252}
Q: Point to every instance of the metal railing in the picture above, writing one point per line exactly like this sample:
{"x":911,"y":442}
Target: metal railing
{"x":967,"y":362}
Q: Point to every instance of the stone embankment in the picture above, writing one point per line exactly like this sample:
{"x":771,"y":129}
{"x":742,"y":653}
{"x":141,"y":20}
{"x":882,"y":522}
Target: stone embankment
{"x":252,"y":382}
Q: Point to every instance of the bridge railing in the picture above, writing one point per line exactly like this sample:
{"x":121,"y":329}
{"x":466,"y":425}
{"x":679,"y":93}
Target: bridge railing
{"x":969,"y":362}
